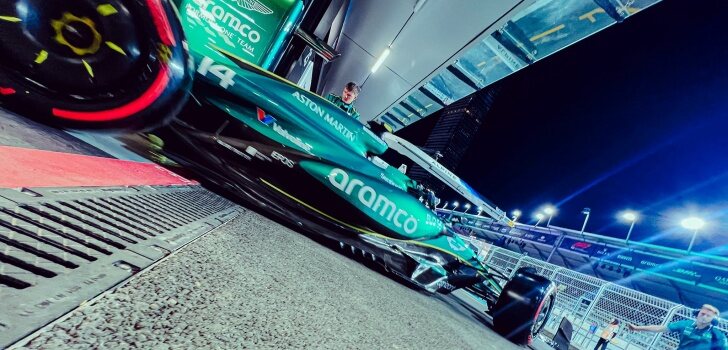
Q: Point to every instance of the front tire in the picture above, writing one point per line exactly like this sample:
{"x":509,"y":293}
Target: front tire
{"x":524,"y":306}
{"x":90,"y":64}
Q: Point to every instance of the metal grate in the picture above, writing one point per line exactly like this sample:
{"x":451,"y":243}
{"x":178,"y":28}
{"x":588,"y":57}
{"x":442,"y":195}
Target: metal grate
{"x":60,"y":247}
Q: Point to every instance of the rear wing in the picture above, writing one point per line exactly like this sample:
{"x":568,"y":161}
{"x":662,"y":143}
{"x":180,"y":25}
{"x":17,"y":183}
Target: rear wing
{"x":412,"y":152}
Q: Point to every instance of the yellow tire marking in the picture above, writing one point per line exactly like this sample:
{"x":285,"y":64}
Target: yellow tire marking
{"x":10,"y":19}
{"x":106,"y":10}
{"x":115,"y":48}
{"x":42,"y":56}
{"x":88,"y":68}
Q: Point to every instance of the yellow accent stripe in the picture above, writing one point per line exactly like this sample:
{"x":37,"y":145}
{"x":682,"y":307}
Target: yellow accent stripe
{"x":316,"y":210}
{"x":106,"y":10}
{"x":363,"y":230}
{"x":554,"y":29}
{"x":10,"y":19}
{"x":88,"y":68}
{"x":42,"y":56}
{"x":115,"y":48}
{"x":483,"y":63}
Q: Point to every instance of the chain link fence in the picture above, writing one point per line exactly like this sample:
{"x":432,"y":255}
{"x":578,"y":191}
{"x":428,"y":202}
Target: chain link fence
{"x":590,"y":304}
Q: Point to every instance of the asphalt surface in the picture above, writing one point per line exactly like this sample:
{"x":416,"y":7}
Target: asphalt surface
{"x":253,"y":284}
{"x":21,"y":132}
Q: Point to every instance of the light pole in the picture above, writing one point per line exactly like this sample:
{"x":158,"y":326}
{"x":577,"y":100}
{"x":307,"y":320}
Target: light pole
{"x":467,"y":207}
{"x":445,"y":205}
{"x":549,"y":210}
{"x":516,"y":214}
{"x":455,"y":206}
{"x":540,"y":217}
{"x":587,"y":212}
{"x":630,"y":217}
{"x":695,"y":224}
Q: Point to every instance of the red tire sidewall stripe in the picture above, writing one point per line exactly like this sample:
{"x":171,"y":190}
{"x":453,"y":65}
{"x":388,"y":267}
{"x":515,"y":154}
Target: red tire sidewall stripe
{"x":145,"y":100}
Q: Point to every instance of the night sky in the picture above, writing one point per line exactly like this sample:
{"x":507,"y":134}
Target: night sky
{"x":634,"y":117}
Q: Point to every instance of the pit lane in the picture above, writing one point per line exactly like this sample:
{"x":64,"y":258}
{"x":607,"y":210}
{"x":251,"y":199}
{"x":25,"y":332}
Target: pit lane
{"x":255,"y":284}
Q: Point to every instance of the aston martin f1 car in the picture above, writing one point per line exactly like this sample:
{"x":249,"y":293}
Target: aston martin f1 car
{"x":254,"y":134}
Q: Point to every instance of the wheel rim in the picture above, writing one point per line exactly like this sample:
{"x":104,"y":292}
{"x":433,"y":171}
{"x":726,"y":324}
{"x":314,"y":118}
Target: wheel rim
{"x":84,"y":50}
{"x":540,"y":319}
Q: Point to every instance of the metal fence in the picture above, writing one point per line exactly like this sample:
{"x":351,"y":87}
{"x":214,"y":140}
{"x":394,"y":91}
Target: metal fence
{"x":590,"y":304}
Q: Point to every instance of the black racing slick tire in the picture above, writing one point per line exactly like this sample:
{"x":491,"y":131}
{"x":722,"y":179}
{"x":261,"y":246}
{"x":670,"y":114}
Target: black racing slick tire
{"x":93,"y":64}
{"x":524,"y":306}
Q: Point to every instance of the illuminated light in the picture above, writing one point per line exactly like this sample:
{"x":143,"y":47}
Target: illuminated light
{"x":42,"y":56}
{"x":540,"y":216}
{"x":693,"y":223}
{"x":629,"y":216}
{"x":549,"y":210}
{"x":115,"y":48}
{"x":106,"y":10}
{"x":467,"y":206}
{"x":516,"y":213}
{"x":455,"y":204}
{"x":144,"y":101}
{"x":10,"y":19}
{"x":381,"y":59}
{"x":88,"y":68}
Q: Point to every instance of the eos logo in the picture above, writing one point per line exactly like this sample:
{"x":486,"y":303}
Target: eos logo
{"x":369,"y":197}
{"x":283,"y":159}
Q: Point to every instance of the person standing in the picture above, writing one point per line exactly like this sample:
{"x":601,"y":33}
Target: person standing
{"x":698,"y":334}
{"x":608,"y":333}
{"x":346,"y":100}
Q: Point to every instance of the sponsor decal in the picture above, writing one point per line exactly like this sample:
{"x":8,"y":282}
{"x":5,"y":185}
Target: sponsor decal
{"x":686,"y":272}
{"x":283,"y":159}
{"x":387,"y":180}
{"x":455,"y":245}
{"x":232,"y":149}
{"x":264,"y":118}
{"x":722,"y":280}
{"x":295,"y":140}
{"x":254,"y":5}
{"x":269,"y":120}
{"x":318,"y":110}
{"x":368,"y":196}
{"x":581,"y":245}
{"x":232,"y":25}
{"x":648,"y":263}
{"x":444,"y":284}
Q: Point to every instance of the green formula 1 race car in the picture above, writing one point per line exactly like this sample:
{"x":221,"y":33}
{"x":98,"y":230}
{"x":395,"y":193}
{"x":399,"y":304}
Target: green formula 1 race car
{"x":143,"y":64}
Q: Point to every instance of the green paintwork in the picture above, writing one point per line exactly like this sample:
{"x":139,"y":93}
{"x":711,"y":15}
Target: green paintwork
{"x":247,"y":28}
{"x":391,"y":207}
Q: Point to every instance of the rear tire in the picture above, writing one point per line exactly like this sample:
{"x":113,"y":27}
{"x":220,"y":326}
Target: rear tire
{"x":524,"y":306}
{"x":91,"y":64}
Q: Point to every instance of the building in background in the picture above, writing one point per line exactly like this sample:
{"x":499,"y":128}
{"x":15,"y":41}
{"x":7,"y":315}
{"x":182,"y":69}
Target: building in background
{"x":453,"y":133}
